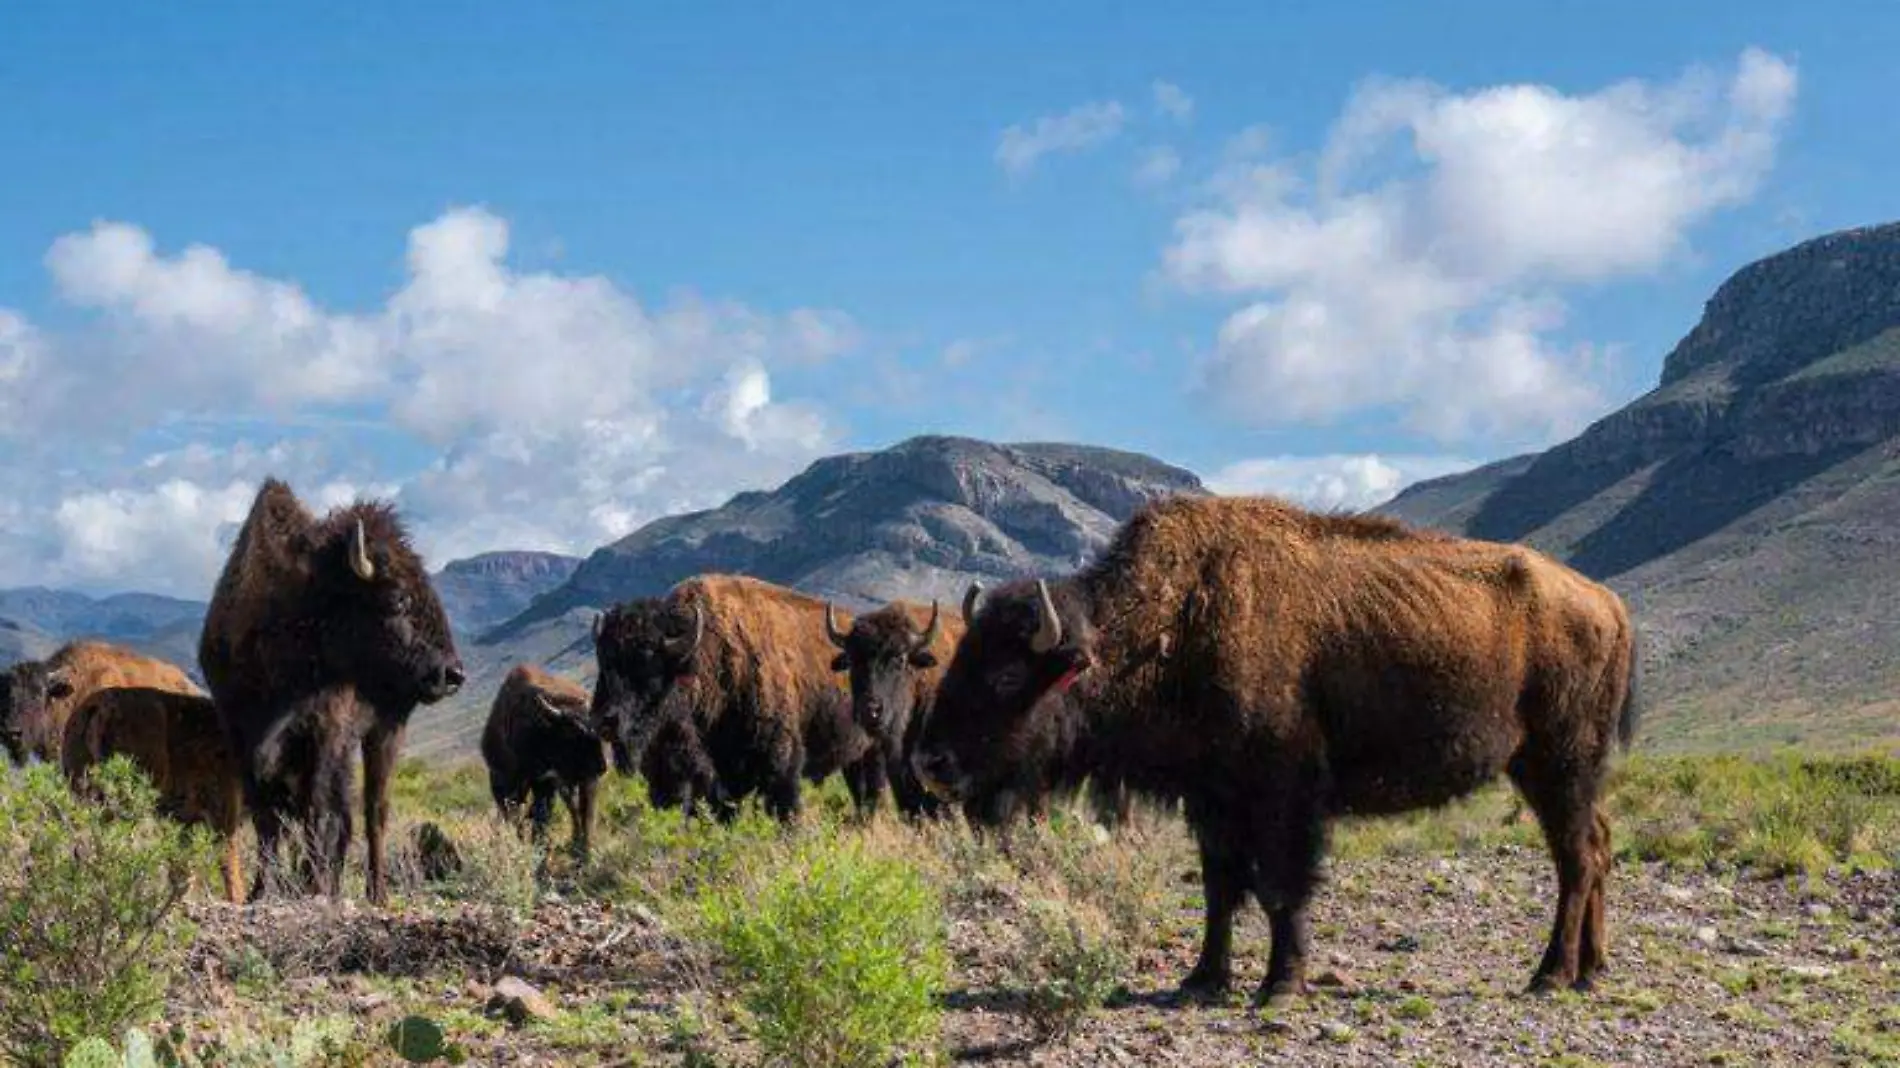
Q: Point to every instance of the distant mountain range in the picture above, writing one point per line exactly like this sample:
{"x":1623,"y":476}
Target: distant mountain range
{"x":1749,"y":508}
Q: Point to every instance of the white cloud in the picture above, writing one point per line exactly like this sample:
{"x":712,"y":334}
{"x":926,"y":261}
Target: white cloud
{"x":1172,"y":101}
{"x":1080,"y":128}
{"x":1419,"y":267}
{"x":1158,"y":166}
{"x":1333,"y":482}
{"x":543,"y":410}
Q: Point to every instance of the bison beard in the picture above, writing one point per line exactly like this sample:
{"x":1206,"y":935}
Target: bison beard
{"x":540,"y":741}
{"x":321,"y":638}
{"x":1272,"y":668}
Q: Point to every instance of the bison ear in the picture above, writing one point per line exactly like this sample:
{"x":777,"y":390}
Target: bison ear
{"x":841,"y":662}
{"x":923,"y":658}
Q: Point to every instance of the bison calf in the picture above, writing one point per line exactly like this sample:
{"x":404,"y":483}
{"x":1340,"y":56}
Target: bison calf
{"x":540,"y":741}
{"x":177,"y":741}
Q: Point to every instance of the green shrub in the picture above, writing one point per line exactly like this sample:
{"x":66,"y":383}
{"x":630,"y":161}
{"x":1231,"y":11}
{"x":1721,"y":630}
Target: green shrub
{"x":1076,"y":962}
{"x":840,"y":952}
{"x":89,"y":897}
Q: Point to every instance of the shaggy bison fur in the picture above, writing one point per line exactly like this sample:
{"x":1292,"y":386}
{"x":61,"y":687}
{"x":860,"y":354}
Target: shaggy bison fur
{"x":176,"y":740}
{"x":1271,"y":668}
{"x":322,"y":636}
{"x":540,"y":740}
{"x":743,"y":667}
{"x":37,"y":697}
{"x":893,"y":659}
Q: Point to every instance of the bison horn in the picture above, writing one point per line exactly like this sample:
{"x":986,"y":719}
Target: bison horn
{"x":1048,"y":621}
{"x":548,"y":706}
{"x":831,"y":628}
{"x":969,"y":602}
{"x":599,"y":619}
{"x":930,"y":632}
{"x":360,"y":562}
{"x":684,"y":646}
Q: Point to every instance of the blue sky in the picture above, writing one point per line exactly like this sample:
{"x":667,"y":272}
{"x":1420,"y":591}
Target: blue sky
{"x":545,"y":273}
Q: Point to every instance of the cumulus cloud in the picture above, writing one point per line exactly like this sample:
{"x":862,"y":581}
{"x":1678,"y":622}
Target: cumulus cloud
{"x":1174,"y":102}
{"x":1336,"y":482}
{"x":1080,"y":128}
{"x":1419,"y":266}
{"x":552,"y":411}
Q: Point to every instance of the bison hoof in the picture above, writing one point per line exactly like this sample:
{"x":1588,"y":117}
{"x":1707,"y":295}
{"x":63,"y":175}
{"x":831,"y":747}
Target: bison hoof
{"x":1278,"y":995}
{"x":1547,"y":983}
{"x":1204,"y":985}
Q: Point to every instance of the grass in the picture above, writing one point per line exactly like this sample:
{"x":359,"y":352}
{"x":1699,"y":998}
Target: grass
{"x":847,"y":943}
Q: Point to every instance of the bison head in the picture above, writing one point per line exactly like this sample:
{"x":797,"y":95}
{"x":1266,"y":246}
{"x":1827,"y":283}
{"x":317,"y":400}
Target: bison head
{"x":576,"y":745}
{"x":986,"y":738}
{"x":642,"y":648}
{"x":28,"y":691}
{"x":883,"y":652}
{"x":383,"y":626}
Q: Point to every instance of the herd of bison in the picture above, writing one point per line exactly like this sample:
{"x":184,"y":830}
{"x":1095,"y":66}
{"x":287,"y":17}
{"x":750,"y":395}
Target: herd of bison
{"x":1265,"y":667}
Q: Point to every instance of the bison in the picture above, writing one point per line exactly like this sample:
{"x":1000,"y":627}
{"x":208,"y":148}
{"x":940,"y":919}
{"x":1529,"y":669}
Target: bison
{"x":37,"y":697}
{"x":177,"y":741}
{"x":741,"y":668}
{"x":322,"y":636}
{"x":1272,"y":668}
{"x":894,"y":661}
{"x":540,"y":740}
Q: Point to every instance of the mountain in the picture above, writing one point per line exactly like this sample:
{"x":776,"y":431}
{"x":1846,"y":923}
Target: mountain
{"x":1748,"y":506}
{"x":920,"y":519}
{"x":34,"y":621}
{"x":482,"y":591}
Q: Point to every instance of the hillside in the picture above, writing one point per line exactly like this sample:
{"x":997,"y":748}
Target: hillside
{"x":920,"y":519}
{"x":482,"y":591}
{"x":1749,"y":505}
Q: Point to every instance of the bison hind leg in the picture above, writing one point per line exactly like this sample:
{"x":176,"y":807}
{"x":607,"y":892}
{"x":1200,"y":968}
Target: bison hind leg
{"x":1577,"y":835}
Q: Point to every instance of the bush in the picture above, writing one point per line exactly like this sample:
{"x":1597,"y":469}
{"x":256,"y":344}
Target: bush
{"x":841,"y":953}
{"x":1076,"y":961}
{"x":89,"y":897}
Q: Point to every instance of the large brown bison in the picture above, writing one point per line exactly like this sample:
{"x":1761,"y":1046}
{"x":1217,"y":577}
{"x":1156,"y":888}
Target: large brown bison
{"x":745,"y":665}
{"x":1272,"y":668}
{"x":177,"y":741}
{"x":37,"y":697}
{"x":323,"y":635}
{"x":540,"y":741}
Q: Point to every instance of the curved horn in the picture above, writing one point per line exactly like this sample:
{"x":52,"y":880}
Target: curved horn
{"x":930,"y":632}
{"x":831,"y":628}
{"x":548,"y":706}
{"x":360,"y":562}
{"x":969,"y":602}
{"x":683,"y":646}
{"x":1048,"y":621}
{"x":600,"y":618}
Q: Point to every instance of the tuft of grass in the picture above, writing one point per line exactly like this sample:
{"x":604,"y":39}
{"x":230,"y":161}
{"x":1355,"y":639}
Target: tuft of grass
{"x":1076,"y":963}
{"x":840,"y":954}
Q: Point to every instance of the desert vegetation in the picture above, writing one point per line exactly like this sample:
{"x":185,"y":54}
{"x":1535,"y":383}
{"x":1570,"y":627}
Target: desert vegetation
{"x":1754,"y":918}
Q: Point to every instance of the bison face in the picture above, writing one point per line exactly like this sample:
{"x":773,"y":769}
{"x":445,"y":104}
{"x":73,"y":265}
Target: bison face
{"x":983,"y":741}
{"x":385,"y":629}
{"x":28,"y":691}
{"x":882,"y":654}
{"x":575,"y":747}
{"x":642,"y":649}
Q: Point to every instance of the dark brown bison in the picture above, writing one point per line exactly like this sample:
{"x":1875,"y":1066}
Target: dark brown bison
{"x":742,"y":666}
{"x":1272,"y":668}
{"x":322,"y":636}
{"x":540,"y":740}
{"x":638,"y":704}
{"x":177,"y":741}
{"x":893,"y":658}
{"x":37,"y":697}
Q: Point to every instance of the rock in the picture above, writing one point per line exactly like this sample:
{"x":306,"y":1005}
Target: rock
{"x":1745,"y":947}
{"x":1810,"y":971}
{"x":1708,"y":936}
{"x":518,"y":1002}
{"x":1334,"y":1031}
{"x":364,"y":1004}
{"x":1677,"y":895}
{"x":1404,"y":943}
{"x":1819,"y":910}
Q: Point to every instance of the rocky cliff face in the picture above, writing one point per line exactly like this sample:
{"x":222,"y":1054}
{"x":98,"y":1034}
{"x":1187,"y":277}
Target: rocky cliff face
{"x":1744,"y":504}
{"x":484,"y":590}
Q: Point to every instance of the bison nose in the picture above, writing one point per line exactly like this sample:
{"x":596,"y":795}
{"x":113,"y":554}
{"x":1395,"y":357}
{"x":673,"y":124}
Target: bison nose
{"x":453,"y":677}
{"x":874,"y":711}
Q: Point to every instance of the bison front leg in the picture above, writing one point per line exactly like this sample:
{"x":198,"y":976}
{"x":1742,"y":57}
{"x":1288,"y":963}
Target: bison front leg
{"x":1224,"y":870}
{"x":1284,"y":879}
{"x":381,"y":746}
{"x":580,"y":812}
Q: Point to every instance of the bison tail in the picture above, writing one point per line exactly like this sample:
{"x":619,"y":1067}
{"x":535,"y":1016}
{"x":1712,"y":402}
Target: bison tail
{"x":1629,"y":719}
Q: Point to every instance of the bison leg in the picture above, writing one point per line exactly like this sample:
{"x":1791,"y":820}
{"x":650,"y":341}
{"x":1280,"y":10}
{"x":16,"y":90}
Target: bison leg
{"x":268,"y":821}
{"x":1594,"y":954}
{"x":381,"y":746}
{"x":866,"y":780}
{"x":1569,"y":825}
{"x":581,"y":812}
{"x":1224,"y":870}
{"x":540,"y":811}
{"x":1283,"y":881}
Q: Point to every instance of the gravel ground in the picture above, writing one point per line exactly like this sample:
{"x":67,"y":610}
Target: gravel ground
{"x":1418,"y":960}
